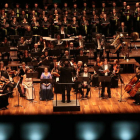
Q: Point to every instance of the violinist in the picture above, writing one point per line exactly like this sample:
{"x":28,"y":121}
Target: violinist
{"x":2,"y":67}
{"x":98,"y":62}
{"x":43,"y":58}
{"x":106,"y":71}
{"x":81,"y":42}
{"x":9,"y":81}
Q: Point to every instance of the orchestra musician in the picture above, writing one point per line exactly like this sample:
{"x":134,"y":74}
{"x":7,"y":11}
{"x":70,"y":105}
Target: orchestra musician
{"x":106,"y":71}
{"x":98,"y":42}
{"x":85,"y":84}
{"x":81,"y":42}
{"x":10,"y":82}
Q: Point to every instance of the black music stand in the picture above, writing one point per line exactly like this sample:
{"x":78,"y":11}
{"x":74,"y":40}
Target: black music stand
{"x":84,"y":59}
{"x":46,"y":62}
{"x":81,"y":79}
{"x":54,"y":52}
{"x":36,"y":54}
{"x":4,"y":49}
{"x":20,"y":48}
{"x":18,"y":95}
{"x":32,"y":75}
{"x":33,"y":63}
{"x":104,"y":79}
{"x":14,"y":38}
{"x":75,"y":52}
{"x":46,"y":81}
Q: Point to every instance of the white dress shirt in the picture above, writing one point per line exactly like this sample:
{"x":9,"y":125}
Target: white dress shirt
{"x":99,"y":44}
{"x":106,"y":67}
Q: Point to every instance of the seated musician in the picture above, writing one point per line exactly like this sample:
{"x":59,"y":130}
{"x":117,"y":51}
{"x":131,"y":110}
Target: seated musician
{"x":66,"y":55}
{"x":71,"y":46}
{"x":106,"y":71}
{"x":98,"y":42}
{"x":5,"y":44}
{"x":26,"y":57}
{"x":46,"y":88}
{"x":85,"y":84}
{"x":27,"y":85}
{"x":35,"y":49}
{"x":28,"y":32}
{"x":122,"y":28}
{"x":43,"y":58}
{"x":80,"y":41}
{"x":81,"y":53}
{"x":10,"y":82}
{"x":58,"y":41}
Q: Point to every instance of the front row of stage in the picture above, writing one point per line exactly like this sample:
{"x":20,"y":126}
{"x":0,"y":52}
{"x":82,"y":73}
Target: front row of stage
{"x":76,"y":77}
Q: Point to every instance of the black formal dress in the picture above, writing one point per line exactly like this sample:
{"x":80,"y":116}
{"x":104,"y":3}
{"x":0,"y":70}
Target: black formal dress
{"x":65,"y":77}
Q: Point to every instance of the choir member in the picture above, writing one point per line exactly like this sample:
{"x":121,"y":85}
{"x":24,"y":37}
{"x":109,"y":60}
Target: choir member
{"x":45,"y":27}
{"x":5,"y":28}
{"x":17,"y":11}
{"x":14,"y":26}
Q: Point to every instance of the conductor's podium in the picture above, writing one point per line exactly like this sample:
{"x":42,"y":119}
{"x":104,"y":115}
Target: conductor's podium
{"x":59,"y":106}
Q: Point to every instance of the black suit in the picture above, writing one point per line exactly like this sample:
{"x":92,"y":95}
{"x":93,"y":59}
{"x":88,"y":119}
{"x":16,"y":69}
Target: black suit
{"x":108,"y":84}
{"x":120,"y":29}
{"x":98,"y":51}
{"x":65,"y":77}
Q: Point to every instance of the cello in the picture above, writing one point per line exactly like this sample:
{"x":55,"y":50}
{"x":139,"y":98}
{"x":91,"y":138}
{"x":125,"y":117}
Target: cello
{"x":132,"y":81}
{"x":134,"y":89}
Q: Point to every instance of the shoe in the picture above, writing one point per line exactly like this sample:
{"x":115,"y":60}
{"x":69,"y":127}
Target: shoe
{"x":68,"y":101}
{"x":63,"y":101}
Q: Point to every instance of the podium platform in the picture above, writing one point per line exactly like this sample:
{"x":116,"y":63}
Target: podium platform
{"x":60,"y":107}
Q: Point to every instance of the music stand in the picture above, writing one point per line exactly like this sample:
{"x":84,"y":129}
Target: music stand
{"x":46,"y":62}
{"x":81,"y":79}
{"x":32,"y":75}
{"x":103,"y":79}
{"x":4,"y":49}
{"x":54,"y":52}
{"x":84,"y":59}
{"x":75,"y":52}
{"x":14,"y":38}
{"x":38,"y":54}
{"x":20,"y":48}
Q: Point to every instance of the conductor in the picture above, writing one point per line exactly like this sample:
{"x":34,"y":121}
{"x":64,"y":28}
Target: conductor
{"x":66,"y":77}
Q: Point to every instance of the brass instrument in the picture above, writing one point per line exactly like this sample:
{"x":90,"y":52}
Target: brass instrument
{"x":116,"y":43}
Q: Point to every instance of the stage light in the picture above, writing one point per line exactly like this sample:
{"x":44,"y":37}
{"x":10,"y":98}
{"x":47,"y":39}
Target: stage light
{"x":125,"y":130}
{"x":89,"y":130}
{"x":5,"y":131}
{"x":35,"y":131}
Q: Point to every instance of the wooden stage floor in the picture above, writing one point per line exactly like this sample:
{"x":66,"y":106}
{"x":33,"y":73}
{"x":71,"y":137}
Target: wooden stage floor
{"x":94,"y":105}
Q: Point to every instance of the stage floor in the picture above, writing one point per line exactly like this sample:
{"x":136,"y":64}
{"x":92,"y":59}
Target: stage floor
{"x":93,"y":105}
